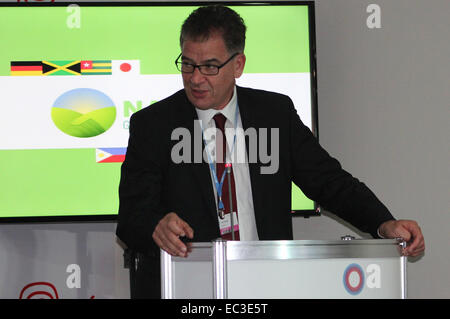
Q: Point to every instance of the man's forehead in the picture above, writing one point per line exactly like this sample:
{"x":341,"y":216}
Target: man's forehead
{"x":211,"y":49}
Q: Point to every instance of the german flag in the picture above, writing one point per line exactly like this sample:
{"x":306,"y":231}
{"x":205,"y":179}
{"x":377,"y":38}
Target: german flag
{"x":61,"y":68}
{"x":26,"y":68}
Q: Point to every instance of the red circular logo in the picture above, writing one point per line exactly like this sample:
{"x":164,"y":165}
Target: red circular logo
{"x":125,"y":67}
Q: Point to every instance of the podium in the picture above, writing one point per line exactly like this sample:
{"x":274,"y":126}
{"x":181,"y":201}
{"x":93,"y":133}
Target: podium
{"x":300,"y":269}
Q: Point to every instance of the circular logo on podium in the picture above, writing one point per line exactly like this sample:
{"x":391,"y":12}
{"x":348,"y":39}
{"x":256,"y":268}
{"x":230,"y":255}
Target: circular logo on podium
{"x":353,"y":279}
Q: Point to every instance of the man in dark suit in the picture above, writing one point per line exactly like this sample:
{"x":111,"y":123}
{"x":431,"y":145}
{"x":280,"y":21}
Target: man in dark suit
{"x":164,"y":199}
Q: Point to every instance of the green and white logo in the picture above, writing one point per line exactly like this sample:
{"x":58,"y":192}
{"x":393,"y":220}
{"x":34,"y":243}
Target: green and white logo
{"x":83,"y":112}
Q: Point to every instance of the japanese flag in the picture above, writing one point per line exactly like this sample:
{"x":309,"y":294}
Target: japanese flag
{"x":126,"y":67}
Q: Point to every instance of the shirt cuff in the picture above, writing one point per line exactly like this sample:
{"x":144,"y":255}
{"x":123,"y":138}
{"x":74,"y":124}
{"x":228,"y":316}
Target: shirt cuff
{"x":379,"y":235}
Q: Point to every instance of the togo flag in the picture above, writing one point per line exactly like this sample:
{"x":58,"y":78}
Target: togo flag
{"x":126,"y":67}
{"x":95,"y":67}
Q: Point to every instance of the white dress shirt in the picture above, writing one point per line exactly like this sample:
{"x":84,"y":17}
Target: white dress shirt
{"x":244,"y":198}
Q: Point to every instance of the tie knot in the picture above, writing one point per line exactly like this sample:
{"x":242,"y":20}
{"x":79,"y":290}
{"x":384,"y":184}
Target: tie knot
{"x":220,"y":120}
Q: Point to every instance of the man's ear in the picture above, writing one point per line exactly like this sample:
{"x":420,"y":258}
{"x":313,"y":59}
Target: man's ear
{"x":239,"y":65}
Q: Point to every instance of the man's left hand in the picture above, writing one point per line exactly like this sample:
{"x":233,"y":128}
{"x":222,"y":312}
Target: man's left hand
{"x":409,"y":230}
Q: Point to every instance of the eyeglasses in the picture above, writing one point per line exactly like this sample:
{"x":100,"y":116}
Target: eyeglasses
{"x":205,"y":69}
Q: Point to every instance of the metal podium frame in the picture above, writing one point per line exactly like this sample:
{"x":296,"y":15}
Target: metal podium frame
{"x":211,"y":261}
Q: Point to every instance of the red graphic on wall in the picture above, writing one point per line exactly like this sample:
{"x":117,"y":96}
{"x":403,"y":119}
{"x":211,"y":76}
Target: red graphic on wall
{"x":36,"y":0}
{"x":39,"y":290}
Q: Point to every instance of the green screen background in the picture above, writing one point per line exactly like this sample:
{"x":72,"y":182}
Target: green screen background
{"x":64,"y":182}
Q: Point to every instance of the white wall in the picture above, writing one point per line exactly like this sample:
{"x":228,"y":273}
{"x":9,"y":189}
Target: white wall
{"x":80,"y":260}
{"x":384,"y":112}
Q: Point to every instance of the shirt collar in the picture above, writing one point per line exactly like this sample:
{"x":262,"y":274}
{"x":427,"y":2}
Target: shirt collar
{"x":229,"y":111}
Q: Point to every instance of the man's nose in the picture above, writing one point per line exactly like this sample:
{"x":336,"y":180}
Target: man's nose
{"x":197,"y":76}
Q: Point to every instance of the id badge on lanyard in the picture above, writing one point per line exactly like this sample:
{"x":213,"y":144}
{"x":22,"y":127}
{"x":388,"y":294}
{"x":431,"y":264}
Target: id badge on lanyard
{"x":223,"y":218}
{"x":225,"y":224}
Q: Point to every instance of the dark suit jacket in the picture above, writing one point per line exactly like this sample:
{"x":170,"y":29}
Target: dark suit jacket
{"x":152,"y":185}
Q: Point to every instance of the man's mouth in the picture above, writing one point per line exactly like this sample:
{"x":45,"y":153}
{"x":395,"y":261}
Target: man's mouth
{"x":199,"y":93}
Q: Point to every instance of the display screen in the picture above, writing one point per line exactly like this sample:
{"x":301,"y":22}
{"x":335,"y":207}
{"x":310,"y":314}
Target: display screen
{"x":72,"y":75}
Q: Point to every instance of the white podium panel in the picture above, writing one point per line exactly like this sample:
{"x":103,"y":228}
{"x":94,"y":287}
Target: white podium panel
{"x":287,"y":269}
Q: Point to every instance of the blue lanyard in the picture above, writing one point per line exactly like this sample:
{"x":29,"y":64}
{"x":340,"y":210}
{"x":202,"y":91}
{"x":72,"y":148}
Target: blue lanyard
{"x":220,"y":206}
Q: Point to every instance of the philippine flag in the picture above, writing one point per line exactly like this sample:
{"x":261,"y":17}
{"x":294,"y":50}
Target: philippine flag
{"x":110,"y":155}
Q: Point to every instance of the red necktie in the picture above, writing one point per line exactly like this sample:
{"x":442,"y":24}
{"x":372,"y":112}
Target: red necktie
{"x":220,"y":120}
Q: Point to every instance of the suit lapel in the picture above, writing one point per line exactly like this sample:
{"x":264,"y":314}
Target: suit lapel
{"x":188,"y":118}
{"x":249,"y":118}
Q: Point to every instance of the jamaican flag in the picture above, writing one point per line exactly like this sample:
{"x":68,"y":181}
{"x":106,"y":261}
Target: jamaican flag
{"x":61,"y":67}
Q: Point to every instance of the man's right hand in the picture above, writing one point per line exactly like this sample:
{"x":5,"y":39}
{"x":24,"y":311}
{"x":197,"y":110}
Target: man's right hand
{"x":168,"y":232}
